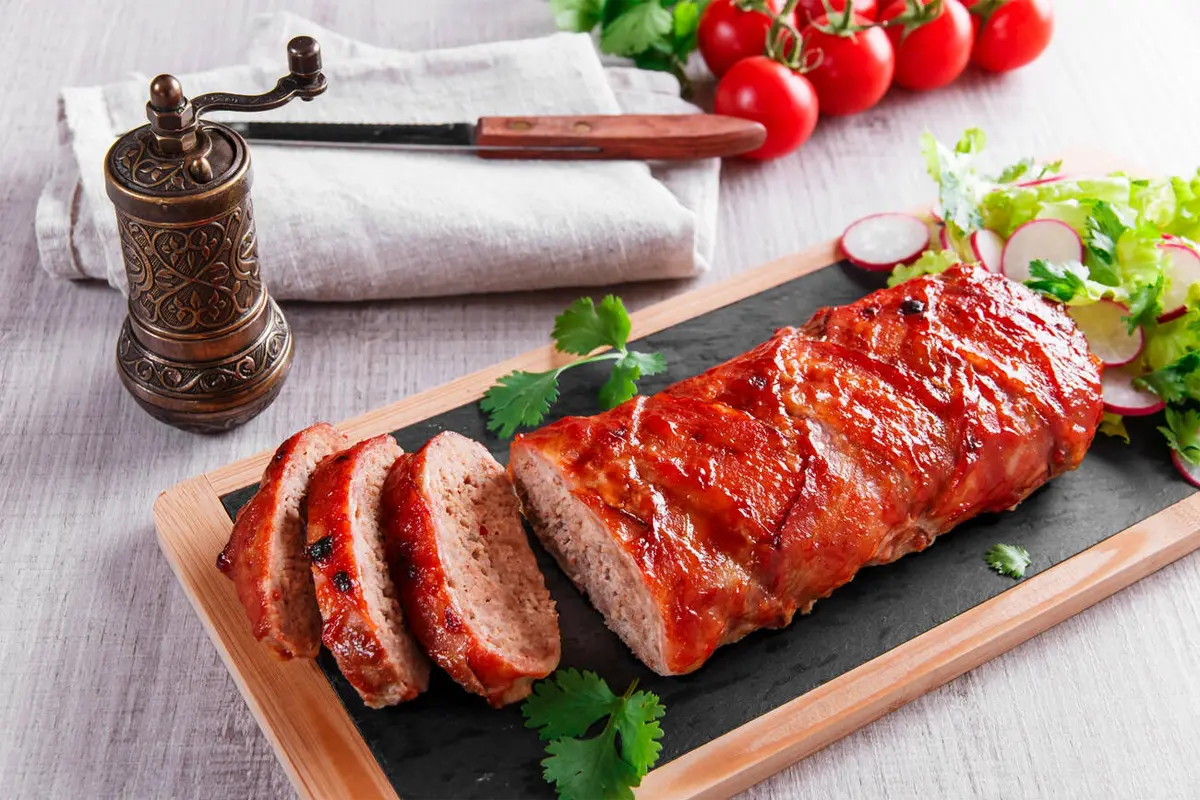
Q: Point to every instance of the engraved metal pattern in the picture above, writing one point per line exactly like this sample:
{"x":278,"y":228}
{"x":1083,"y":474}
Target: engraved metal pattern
{"x":192,"y":280}
{"x":205,"y":382}
{"x":137,"y":164}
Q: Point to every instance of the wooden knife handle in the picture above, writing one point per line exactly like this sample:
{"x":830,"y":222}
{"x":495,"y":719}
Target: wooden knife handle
{"x":646,"y":137}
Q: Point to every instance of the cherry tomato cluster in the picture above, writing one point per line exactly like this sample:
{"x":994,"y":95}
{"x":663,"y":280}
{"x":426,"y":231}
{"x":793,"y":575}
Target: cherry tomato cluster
{"x":852,"y":51}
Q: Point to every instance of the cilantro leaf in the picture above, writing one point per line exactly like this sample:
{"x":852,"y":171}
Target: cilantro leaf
{"x":1008,"y":559}
{"x":589,"y":769}
{"x":636,"y":720}
{"x":605,"y":766}
{"x":1014,"y":172}
{"x":1066,"y":282}
{"x":646,"y":363}
{"x":1174,"y":382}
{"x":1052,"y":168}
{"x":519,"y":398}
{"x":1145,"y":303}
{"x":585,"y":326}
{"x":621,"y":385}
{"x":685,"y":23}
{"x":1183,"y":432}
{"x":579,"y":16}
{"x":637,"y":29}
{"x":1104,"y":229}
{"x":568,"y":704}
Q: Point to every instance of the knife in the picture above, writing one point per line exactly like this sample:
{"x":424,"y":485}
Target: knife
{"x":616,"y":136}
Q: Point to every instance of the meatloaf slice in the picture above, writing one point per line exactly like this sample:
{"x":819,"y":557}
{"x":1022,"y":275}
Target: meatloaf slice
{"x":266,"y":557}
{"x":468,"y":580}
{"x":363,"y":624}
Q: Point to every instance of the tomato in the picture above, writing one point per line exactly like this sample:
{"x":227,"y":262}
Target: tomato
{"x":1012,"y":33}
{"x":766,"y":91}
{"x":727,"y":34}
{"x":935,"y":53}
{"x":808,"y":10}
{"x":855,"y":68}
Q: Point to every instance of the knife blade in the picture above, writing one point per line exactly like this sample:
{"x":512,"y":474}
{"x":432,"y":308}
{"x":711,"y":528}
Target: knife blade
{"x":616,"y":136}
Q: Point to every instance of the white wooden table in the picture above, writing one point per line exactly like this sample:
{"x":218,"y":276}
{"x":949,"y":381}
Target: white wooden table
{"x":112,"y":689}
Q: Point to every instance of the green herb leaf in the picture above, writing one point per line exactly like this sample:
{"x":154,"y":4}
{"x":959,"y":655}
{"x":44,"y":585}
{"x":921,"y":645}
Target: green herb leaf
{"x":1067,"y":283}
{"x":1014,"y":172}
{"x":606,"y":766}
{"x":637,"y":29}
{"x":568,"y":704}
{"x":576,"y":15}
{"x":1176,"y":382}
{"x":685,"y":21}
{"x":1183,"y":432}
{"x":1008,"y":559}
{"x":589,"y":769}
{"x":1145,"y":303}
{"x":1052,"y":168}
{"x":519,"y":398}
{"x":636,"y":720}
{"x":1104,"y":229}
{"x":1114,"y":425}
{"x":584,"y":326}
{"x":961,"y":187}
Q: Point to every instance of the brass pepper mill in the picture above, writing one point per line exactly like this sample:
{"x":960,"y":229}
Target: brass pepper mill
{"x":204,"y":347}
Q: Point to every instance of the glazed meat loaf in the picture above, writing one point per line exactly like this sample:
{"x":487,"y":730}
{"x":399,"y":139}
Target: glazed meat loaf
{"x":468,"y":582}
{"x":362,"y":623}
{"x":266,"y":557}
{"x":736,"y":498}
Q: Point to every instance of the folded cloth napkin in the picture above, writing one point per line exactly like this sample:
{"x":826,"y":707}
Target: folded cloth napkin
{"x":359,"y":225}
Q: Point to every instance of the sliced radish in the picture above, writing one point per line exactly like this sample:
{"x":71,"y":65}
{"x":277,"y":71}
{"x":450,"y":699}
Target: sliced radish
{"x":1182,"y":271}
{"x":988,"y":247}
{"x":1107,"y":333}
{"x":936,"y":213}
{"x":1040,"y":181}
{"x":1189,"y":471}
{"x":1121,"y":397}
{"x":881,"y":241}
{"x":1049,"y":239}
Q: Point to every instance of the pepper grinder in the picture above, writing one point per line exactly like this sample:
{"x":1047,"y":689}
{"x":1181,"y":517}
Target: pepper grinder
{"x":203,"y":347}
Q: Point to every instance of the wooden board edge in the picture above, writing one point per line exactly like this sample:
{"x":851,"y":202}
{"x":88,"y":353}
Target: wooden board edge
{"x":471,"y":387}
{"x":312,"y":735}
{"x":789,"y":733}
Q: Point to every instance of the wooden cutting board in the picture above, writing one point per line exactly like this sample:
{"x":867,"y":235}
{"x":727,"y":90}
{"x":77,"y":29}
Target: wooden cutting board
{"x":894,"y":633}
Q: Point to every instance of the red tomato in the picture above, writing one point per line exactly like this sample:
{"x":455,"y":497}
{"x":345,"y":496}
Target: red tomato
{"x":1013,"y":34}
{"x":808,"y":10}
{"x":766,"y":91}
{"x":934,"y":54}
{"x":727,"y":34}
{"x":855,"y":69}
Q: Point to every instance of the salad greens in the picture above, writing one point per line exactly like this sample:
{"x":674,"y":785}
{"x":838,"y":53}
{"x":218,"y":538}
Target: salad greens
{"x":1123,"y":221}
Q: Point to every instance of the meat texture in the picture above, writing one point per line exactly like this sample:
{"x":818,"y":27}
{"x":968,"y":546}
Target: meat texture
{"x":266,"y":557}
{"x":736,"y":498}
{"x":362,"y":624}
{"x":469,"y":584}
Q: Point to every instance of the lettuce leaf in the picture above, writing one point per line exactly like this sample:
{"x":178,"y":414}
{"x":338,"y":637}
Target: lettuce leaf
{"x":931,"y":262}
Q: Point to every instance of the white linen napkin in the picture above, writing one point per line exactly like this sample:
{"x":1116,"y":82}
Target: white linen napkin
{"x":360,"y":225}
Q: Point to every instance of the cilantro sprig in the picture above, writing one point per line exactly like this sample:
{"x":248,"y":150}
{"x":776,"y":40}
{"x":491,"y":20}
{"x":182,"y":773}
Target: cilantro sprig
{"x":1008,"y":559}
{"x":524,"y":398}
{"x":566,"y":706}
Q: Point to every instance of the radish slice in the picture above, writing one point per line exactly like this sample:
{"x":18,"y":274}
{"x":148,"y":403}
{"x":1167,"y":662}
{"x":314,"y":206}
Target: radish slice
{"x":988,"y":247}
{"x":881,"y":241}
{"x":1107,"y":333}
{"x":1182,"y":272}
{"x":1040,"y":181}
{"x":944,"y":239}
{"x":936,"y":213}
{"x":1049,"y":239}
{"x":1120,"y":396}
{"x":1189,"y":471}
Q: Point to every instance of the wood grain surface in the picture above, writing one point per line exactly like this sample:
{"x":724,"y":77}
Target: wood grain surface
{"x":633,"y":136}
{"x":112,"y":687}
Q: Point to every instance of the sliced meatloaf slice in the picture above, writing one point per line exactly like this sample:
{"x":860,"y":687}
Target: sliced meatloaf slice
{"x":266,"y":557}
{"x":363,"y":625}
{"x":469,"y":583}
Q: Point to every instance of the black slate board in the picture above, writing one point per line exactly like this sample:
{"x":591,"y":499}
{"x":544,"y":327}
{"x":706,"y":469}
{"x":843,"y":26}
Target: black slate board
{"x":449,"y":744}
